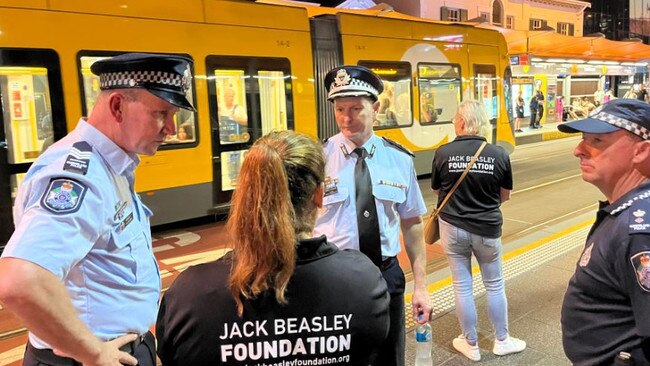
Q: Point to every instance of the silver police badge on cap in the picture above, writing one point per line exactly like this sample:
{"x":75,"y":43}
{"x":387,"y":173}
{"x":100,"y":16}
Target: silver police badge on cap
{"x":186,"y":81}
{"x":342,"y":78}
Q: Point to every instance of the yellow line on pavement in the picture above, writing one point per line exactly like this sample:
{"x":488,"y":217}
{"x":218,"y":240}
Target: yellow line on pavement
{"x":447,"y":281}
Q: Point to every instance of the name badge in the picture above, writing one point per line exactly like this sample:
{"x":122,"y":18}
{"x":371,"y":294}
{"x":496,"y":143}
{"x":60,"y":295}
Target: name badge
{"x":392,"y":184}
{"x":331,"y":186}
{"x":125,"y":223}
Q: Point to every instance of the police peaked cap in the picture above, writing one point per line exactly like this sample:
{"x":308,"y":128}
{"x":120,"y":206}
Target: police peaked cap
{"x":627,"y":114}
{"x":352,"y":81}
{"x":168,"y":77}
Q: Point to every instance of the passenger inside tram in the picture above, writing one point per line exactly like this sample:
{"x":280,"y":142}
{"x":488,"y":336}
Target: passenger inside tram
{"x":576,"y":109}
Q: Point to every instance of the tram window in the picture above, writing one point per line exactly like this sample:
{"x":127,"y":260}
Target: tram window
{"x":231,"y":106}
{"x":439,"y":86}
{"x":273,"y":104}
{"x":27,"y":112}
{"x":395,"y":102}
{"x":248,"y":97}
{"x":185,"y":120}
{"x":231,"y":164}
{"x":485,"y":89}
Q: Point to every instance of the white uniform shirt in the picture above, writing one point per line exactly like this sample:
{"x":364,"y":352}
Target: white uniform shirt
{"x":96,"y":237}
{"x":394,"y":185}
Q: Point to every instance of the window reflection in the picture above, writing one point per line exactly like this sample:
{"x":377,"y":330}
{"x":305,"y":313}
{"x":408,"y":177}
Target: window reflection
{"x":273,"y":100}
{"x":231,"y":105}
{"x":27,"y":112}
{"x":440,"y":89}
{"x":395,"y":101}
{"x":231,"y":164}
{"x":486,"y":89}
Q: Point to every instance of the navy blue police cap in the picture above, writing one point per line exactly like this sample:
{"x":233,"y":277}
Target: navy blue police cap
{"x":168,"y":77}
{"x":628,"y":114}
{"x":352,"y":81}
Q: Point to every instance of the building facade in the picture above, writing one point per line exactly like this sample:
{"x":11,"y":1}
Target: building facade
{"x":564,"y":16}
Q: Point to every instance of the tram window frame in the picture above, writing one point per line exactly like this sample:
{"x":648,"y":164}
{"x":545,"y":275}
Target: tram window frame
{"x":12,"y":173}
{"x":459,"y":93}
{"x":251,"y":67}
{"x":509,"y":96}
{"x":170,"y":144}
{"x":402,"y":72}
{"x":228,"y":155}
{"x":49,"y":60}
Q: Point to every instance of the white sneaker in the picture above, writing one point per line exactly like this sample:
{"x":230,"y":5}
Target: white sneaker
{"x":508,"y":346}
{"x":469,"y":351}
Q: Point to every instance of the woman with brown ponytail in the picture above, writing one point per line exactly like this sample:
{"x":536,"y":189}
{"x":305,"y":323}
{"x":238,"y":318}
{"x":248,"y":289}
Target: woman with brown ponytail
{"x":279,"y":295}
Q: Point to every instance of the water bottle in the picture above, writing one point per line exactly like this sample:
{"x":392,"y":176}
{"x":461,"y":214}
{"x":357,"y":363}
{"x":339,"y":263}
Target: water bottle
{"x":423,"y":347}
{"x":623,"y":359}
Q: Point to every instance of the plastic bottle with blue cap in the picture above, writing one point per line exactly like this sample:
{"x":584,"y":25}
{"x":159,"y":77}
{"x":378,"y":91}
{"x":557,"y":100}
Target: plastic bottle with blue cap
{"x":423,"y":346}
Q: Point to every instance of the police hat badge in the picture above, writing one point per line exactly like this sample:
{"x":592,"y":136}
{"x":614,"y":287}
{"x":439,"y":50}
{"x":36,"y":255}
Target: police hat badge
{"x":352,"y":81}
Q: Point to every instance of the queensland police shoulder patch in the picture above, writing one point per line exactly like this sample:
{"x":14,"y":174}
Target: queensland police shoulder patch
{"x":63,"y":195}
{"x":641,"y":264}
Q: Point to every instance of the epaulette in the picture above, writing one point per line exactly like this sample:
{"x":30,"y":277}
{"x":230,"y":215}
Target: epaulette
{"x":79,"y":158}
{"x":639,"y":213}
{"x":398,"y":146}
{"x":325,"y":141}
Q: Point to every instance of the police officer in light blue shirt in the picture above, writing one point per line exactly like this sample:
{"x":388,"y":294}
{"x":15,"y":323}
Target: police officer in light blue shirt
{"x":79,"y":270}
{"x":392,"y":186}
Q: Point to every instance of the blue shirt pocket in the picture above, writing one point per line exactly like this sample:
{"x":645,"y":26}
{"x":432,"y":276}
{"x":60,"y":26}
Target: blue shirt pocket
{"x":389,"y":193}
{"x":124,"y":255}
{"x":336,"y":198}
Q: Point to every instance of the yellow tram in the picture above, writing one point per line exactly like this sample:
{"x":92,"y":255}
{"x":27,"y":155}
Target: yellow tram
{"x":257,"y":67}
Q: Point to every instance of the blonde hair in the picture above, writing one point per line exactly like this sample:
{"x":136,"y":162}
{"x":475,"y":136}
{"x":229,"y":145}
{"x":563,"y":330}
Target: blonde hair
{"x":272,"y":204}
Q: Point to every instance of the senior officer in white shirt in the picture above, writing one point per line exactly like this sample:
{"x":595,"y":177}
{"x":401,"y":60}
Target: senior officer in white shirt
{"x":371,"y":191}
{"x":79,"y":270}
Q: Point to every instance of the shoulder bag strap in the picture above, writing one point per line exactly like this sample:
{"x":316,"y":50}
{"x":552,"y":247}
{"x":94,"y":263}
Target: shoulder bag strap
{"x":469,"y":166}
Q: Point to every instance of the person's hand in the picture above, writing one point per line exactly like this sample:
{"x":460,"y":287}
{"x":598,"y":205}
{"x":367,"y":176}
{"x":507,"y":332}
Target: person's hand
{"x":421,"y":305}
{"x":110,"y":354}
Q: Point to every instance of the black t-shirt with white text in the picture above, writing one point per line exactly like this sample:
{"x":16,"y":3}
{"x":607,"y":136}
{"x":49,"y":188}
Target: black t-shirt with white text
{"x":474,"y":206}
{"x":337,"y":314}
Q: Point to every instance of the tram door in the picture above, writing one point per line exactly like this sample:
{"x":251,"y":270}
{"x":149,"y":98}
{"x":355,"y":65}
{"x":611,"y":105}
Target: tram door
{"x":485,"y":91}
{"x":32,"y":118}
{"x":249,"y":97}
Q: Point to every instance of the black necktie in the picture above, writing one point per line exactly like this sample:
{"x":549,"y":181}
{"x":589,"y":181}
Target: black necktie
{"x":369,"y":241}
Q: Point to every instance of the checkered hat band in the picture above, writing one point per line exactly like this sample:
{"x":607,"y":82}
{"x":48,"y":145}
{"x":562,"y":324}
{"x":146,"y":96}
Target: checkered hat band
{"x":355,"y":84}
{"x":130,"y":79}
{"x":635,"y":128}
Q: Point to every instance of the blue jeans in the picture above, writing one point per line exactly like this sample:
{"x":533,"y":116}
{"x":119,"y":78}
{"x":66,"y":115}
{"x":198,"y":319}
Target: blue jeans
{"x":459,"y":245}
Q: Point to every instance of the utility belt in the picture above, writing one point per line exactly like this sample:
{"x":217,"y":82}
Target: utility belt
{"x":133,"y":345}
{"x":45,"y":356}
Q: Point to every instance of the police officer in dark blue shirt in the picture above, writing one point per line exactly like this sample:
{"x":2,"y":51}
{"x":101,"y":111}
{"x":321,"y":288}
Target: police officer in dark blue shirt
{"x":606,"y":308}
{"x":79,"y":270}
